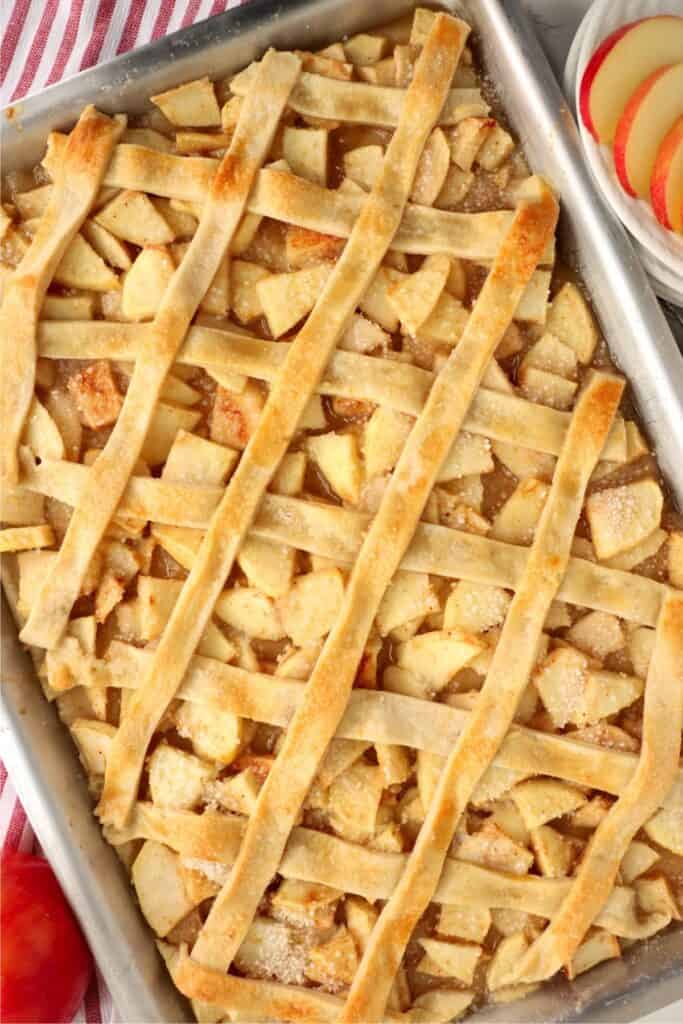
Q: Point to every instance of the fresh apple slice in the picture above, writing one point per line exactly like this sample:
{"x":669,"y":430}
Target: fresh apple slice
{"x":666,"y":189}
{"x":647,"y":117}
{"x":620,"y":64}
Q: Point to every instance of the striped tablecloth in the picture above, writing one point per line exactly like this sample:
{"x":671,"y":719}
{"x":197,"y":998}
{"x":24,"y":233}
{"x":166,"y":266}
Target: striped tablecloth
{"x":44,"y":41}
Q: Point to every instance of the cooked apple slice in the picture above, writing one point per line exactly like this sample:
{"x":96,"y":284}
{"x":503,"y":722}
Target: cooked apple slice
{"x":363,"y":164}
{"x":96,"y":395}
{"x":385,"y":434}
{"x":305,"y":150}
{"x":652,"y":109}
{"x":621,"y":517}
{"x":306,"y":903}
{"x":310,"y":608}
{"x":449,"y":959}
{"x":600,"y":945}
{"x":414,"y":296}
{"x":353,"y":801}
{"x":469,"y":923}
{"x":666,"y":186}
{"x":133,"y":217}
{"x":432,"y":169}
{"x":166,"y":422}
{"x":491,"y":848}
{"x":571,"y":322}
{"x":176,"y":778}
{"x":268,"y":566}
{"x":542,"y":800}
{"x":81,"y":267}
{"x":145,"y":283}
{"x":216,"y":735}
{"x":338,"y":459}
{"x":192,"y":105}
{"x":435,"y":657}
{"x":234,"y":417}
{"x":287,"y":298}
{"x":620,"y":63}
{"x":409,"y":595}
{"x":159,"y":887}
{"x":289,"y":476}
{"x":467,"y":138}
{"x":251,"y":612}
{"x":194,"y":460}
{"x":93,"y":739}
{"x":441,"y":1004}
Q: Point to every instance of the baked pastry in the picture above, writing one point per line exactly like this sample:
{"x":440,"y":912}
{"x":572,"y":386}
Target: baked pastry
{"x":335,"y":546}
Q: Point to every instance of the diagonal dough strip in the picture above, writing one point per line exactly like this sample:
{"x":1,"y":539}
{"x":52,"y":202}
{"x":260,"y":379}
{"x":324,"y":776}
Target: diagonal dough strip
{"x":110,"y":473}
{"x":298,"y":379}
{"x":80,"y":173}
{"x":305,"y":363}
{"x":653,"y":778}
{"x":389,"y":535}
{"x":492,"y":716}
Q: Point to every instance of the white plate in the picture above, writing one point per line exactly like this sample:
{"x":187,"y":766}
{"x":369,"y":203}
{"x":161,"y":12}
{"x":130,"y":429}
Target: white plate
{"x":664,"y":282}
{"x":661,"y":251}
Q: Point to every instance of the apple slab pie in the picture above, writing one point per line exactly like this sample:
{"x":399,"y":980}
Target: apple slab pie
{"x":335,"y":541}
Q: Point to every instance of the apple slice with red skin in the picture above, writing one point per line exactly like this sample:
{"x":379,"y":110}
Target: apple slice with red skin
{"x":647,"y":117}
{"x":666,"y":189}
{"x":620,"y":64}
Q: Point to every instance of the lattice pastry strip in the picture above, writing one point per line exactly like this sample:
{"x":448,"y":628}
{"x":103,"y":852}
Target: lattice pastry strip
{"x":387,"y":539}
{"x":399,"y":386}
{"x":315,"y":857}
{"x":336,"y":533}
{"x":86,"y":155}
{"x":377,"y":717}
{"x":368,"y":242}
{"x":653,"y":778}
{"x":305,"y":362}
{"x":112,"y":470}
{"x":285,"y":197}
{"x":494,"y":710}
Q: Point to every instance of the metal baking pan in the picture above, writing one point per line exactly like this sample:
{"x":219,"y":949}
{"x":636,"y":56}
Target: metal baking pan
{"x":38,"y":750}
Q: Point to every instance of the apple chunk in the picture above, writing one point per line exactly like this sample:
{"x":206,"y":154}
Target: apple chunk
{"x":620,"y":64}
{"x":666,"y":187}
{"x":647,"y":117}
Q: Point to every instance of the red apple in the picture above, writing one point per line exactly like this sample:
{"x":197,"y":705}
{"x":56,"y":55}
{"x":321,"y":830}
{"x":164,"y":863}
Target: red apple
{"x":666,"y":190}
{"x":647,"y":117}
{"x":620,"y":64}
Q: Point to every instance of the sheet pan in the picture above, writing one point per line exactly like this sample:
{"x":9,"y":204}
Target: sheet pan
{"x":38,"y":749}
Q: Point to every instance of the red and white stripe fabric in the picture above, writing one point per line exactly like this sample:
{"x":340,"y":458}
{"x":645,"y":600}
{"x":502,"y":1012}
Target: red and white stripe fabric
{"x":43,"y":41}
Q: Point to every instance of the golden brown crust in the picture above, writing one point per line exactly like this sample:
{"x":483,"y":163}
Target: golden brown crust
{"x":293,"y":200}
{"x":508,"y":675}
{"x":113,"y":468}
{"x":400,"y":386}
{"x":653,"y":778}
{"x":374,"y":874}
{"x":87,"y":152}
{"x":315,"y":720}
{"x":337,"y":533}
{"x":290,"y":392}
{"x":269,"y":1000}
